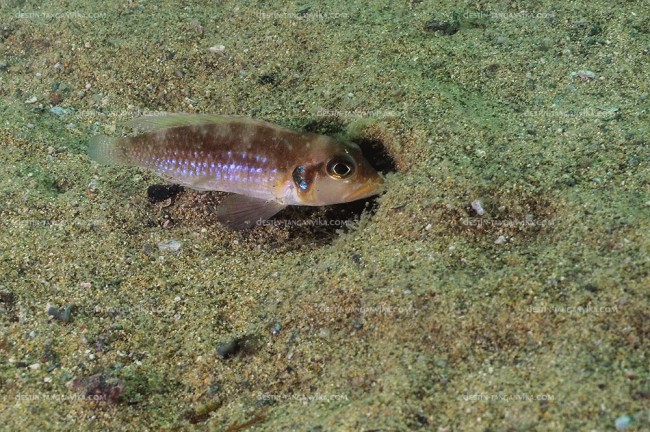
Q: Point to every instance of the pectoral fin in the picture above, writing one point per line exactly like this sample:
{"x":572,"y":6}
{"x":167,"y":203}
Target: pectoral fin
{"x":240,"y":212}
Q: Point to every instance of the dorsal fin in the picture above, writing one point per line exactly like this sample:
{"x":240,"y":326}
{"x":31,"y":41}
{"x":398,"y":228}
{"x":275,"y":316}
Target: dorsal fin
{"x":156,"y":122}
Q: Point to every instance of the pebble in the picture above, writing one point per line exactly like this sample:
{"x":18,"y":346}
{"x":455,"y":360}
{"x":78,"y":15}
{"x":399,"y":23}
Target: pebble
{"x":477,"y":205}
{"x":35,"y":366}
{"x":584,"y":75}
{"x":623,"y":423}
{"x":214,"y":388}
{"x":31,"y":100}
{"x":500,"y":240}
{"x":64,"y":315}
{"x":169,"y":246}
{"x":93,"y":186}
{"x":217,"y":48}
{"x":444,"y":28}
{"x":196,"y":26}
{"x":56,"y":98}
{"x":59,"y":112}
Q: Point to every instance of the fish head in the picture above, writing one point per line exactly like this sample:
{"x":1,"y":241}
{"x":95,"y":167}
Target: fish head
{"x":334,"y":172}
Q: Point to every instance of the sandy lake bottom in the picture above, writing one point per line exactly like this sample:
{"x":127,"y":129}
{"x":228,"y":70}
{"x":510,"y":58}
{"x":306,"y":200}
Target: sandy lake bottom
{"x":499,"y":284}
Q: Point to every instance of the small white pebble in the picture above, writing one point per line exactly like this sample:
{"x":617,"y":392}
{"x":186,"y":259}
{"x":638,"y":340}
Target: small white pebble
{"x":428,"y":227}
{"x":85,"y":285}
{"x":477,"y":205}
{"x":177,"y":298}
{"x":92,"y":186}
{"x":217,"y":48}
{"x":47,"y":379}
{"x":584,"y":75}
{"x":35,"y":366}
{"x":623,"y":423}
{"x":171,"y":246}
{"x":500,"y":240}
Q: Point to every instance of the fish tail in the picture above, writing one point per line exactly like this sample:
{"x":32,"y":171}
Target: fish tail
{"x":107,"y":150}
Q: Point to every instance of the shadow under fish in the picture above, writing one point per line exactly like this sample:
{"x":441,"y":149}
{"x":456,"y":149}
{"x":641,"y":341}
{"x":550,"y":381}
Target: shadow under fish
{"x":266,"y":166}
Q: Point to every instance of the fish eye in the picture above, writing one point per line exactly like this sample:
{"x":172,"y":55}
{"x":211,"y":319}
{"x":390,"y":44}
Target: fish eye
{"x":340,"y":168}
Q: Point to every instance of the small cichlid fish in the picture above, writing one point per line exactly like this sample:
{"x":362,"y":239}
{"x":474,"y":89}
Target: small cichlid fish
{"x":268,"y":167}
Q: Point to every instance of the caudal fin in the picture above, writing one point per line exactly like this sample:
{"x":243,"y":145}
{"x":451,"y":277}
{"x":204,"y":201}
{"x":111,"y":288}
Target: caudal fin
{"x":106,"y":150}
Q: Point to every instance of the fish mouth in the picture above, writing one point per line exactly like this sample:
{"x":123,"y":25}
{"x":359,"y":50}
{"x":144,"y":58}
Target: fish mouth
{"x":369,"y":189}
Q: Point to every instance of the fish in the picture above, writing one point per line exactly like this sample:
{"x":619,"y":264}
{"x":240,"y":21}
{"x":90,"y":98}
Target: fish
{"x":267,"y":167}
